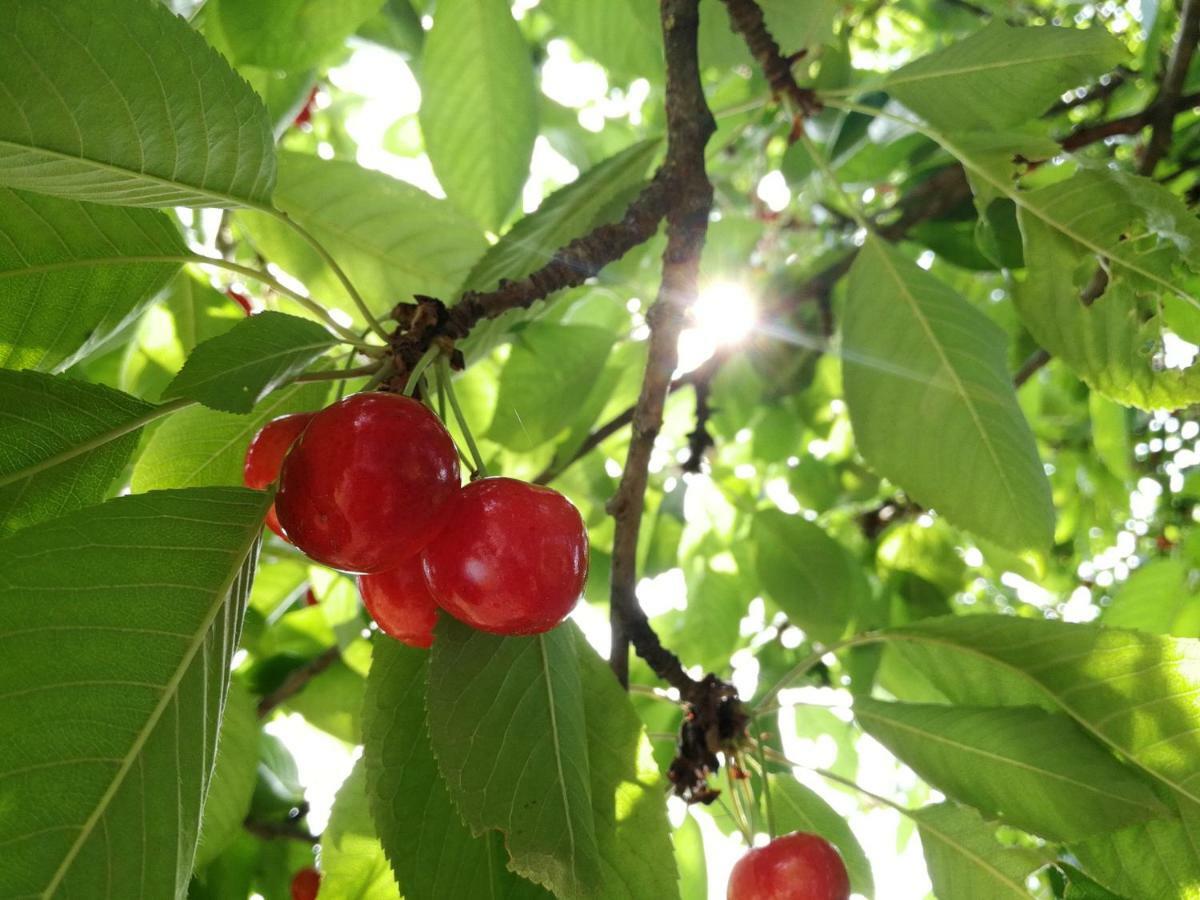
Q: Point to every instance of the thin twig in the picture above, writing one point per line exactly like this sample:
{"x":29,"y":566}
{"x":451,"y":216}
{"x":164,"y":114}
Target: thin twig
{"x":1163,"y":109}
{"x":1032,"y":365}
{"x":746,"y":18}
{"x":689,"y":126}
{"x":297,"y":680}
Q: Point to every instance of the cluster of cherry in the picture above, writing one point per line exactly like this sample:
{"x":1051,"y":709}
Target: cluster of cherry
{"x":371,"y":486}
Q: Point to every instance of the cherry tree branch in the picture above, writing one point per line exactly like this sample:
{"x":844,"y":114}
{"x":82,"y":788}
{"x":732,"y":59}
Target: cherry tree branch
{"x":746,"y":18}
{"x":1162,"y":111}
{"x":689,"y":126}
{"x":296,"y":681}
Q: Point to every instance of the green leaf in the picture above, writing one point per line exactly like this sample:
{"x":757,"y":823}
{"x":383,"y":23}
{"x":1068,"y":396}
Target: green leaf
{"x":71,"y":274}
{"x":199,"y":446}
{"x":507,"y":723}
{"x":966,"y":860}
{"x":1131,"y":691}
{"x":393,"y":239}
{"x":233,"y":777}
{"x":146,"y":114}
{"x":550,"y":367}
{"x":1110,"y":435}
{"x":353,"y":866}
{"x":808,"y":574}
{"x":478,"y":106}
{"x":430,"y":847}
{"x":932,"y":404}
{"x":1149,"y":240}
{"x":290,"y":34}
{"x":235,"y":370}
{"x":42,"y":416}
{"x":689,"y":856}
{"x":624,"y":36}
{"x":797,"y":808}
{"x":1155,"y":859}
{"x":1155,"y":598}
{"x":628,"y":792}
{"x":118,"y":625}
{"x":1002,"y":76}
{"x":1030,"y":768}
{"x":188,"y":313}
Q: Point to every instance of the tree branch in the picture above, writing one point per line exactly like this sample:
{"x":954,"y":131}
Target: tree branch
{"x":1162,"y":111}
{"x":746,"y":18}
{"x":296,"y":681}
{"x":689,"y":126}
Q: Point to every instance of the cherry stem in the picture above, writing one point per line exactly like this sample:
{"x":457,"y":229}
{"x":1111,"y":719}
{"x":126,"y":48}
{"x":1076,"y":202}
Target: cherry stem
{"x":738,"y":812}
{"x":336,"y":374}
{"x":418,"y":370}
{"x":760,"y":746}
{"x":337,"y":270}
{"x":444,"y":371}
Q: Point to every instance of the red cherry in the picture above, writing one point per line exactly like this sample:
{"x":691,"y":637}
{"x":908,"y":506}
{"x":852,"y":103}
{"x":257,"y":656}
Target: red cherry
{"x":265,"y":455}
{"x":310,"y":599}
{"x":797,"y":866}
{"x":241,"y":300}
{"x":305,"y":884}
{"x":512,"y":558}
{"x":304,"y":117}
{"x":400,"y":603}
{"x":367,"y":484}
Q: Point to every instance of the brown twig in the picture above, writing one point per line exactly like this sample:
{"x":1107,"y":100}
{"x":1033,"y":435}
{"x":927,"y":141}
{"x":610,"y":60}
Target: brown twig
{"x":296,"y":680}
{"x":689,"y":126}
{"x":1032,"y":365}
{"x":746,"y":18}
{"x":1162,"y":111}
{"x":1131,"y":124}
{"x":699,"y":439}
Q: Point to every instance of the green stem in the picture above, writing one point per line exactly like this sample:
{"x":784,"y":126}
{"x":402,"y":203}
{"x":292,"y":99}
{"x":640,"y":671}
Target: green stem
{"x":384,"y":372}
{"x":414,"y":377}
{"x":476,"y":456}
{"x":778,"y":757}
{"x":818,"y":157}
{"x":801,"y":668}
{"x":99,"y":440}
{"x":760,"y":745}
{"x":336,"y":374}
{"x":738,"y":814}
{"x":337,"y":270}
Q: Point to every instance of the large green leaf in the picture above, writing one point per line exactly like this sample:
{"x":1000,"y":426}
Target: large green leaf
{"x":549,"y":368}
{"x":1002,"y":76}
{"x":507,"y":723}
{"x":1155,"y":859}
{"x":966,"y":860}
{"x":808,"y":574}
{"x":622,"y":35}
{"x":289,"y":34}
{"x":42,"y":416}
{"x":353,"y":866}
{"x":200,"y":446}
{"x":628,"y":792}
{"x":188,"y":312}
{"x":233,"y":777}
{"x":798,"y":808}
{"x":73,"y":273}
{"x":932,"y":404}
{"x":145,"y":114}
{"x":1133,"y":692}
{"x":1150,"y":241}
{"x":1033,"y":769}
{"x":478,"y":106}
{"x":118,"y":624}
{"x":431,"y":849}
{"x":235,"y":370}
{"x":1156,"y":598}
{"x":393,"y":239}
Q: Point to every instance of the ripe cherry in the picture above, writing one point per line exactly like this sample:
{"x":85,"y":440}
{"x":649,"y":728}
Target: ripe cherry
{"x":305,"y":884}
{"x":241,"y":300}
{"x":265,"y":455}
{"x":367,"y":484}
{"x":400,"y":603}
{"x":512,"y":558}
{"x":797,"y":866}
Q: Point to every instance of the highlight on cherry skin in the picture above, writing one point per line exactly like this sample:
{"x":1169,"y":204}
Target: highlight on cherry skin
{"x":400,"y":603}
{"x":368,"y":483}
{"x":796,"y":866}
{"x":511,"y":559}
{"x":264,"y":457}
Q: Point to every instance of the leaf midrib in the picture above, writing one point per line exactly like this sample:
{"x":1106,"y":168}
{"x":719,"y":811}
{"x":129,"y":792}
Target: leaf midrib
{"x":220,"y":598}
{"x":558,"y":761}
{"x":966,"y":851}
{"x":983,"y":67}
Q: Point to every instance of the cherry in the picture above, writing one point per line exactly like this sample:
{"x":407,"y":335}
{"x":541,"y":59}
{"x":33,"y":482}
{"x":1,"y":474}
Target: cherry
{"x":304,"y":117}
{"x":241,"y":300}
{"x":797,"y":866}
{"x":305,"y":884}
{"x":512,"y":558}
{"x":368,"y":483}
{"x":400,"y":603}
{"x":265,"y":455}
